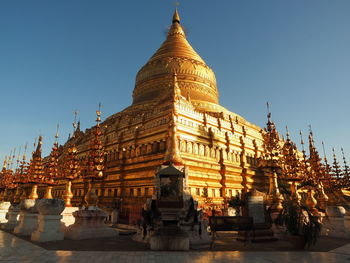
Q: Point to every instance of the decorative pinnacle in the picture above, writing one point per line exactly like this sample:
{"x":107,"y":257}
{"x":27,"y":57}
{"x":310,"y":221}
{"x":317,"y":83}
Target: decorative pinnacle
{"x":34,"y":145}
{"x":25,"y":152}
{"x":98,"y":113}
{"x":287,"y":133}
{"x":346,"y":167}
{"x":56,"y":135}
{"x":176,"y":17}
{"x":342,"y":152}
{"x":334,"y":155}
{"x":302,"y":143}
{"x":75,"y":120}
{"x":324,"y":154}
{"x":311,"y":133}
{"x":18,"y":157}
{"x":268,"y":112}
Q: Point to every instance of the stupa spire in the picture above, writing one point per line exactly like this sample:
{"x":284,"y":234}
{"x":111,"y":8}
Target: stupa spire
{"x":336,"y":166}
{"x":346,"y":167}
{"x":177,"y":55}
{"x":176,"y":17}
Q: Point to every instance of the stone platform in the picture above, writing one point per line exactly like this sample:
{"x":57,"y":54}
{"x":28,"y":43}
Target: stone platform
{"x":12,"y":218}
{"x":28,"y":222}
{"x":14,"y":249}
{"x":89,"y":224}
{"x":170,"y":238}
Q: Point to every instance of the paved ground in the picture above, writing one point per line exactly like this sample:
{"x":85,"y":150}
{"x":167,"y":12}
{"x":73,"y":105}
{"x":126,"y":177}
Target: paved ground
{"x":14,"y":249}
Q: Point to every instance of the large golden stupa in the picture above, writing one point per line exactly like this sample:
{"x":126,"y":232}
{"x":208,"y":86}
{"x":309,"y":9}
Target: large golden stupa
{"x":175,"y":99}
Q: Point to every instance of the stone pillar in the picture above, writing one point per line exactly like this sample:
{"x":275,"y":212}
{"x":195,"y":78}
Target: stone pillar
{"x":28,"y":218}
{"x":4,"y":207}
{"x":49,"y":221}
{"x":12,"y":218}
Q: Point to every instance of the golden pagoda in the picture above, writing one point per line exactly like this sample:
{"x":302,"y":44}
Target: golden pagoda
{"x":175,"y":117}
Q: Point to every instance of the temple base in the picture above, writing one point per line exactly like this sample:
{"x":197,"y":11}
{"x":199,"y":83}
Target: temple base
{"x":12,"y":218}
{"x":48,"y":229}
{"x":170,"y":238}
{"x":28,"y":223}
{"x":89,"y":224}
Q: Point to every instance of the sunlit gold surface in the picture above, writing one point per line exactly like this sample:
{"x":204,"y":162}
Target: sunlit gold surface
{"x":34,"y":193}
{"x":295,"y":196}
{"x":167,"y":122}
{"x":68,"y":195}
{"x":48,"y":192}
{"x":310,"y":201}
{"x":176,"y":55}
{"x":175,"y":117}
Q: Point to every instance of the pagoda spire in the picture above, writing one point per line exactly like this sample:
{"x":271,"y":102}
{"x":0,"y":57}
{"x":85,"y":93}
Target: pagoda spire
{"x":346,"y":167}
{"x":36,"y":163}
{"x":176,"y":16}
{"x":271,"y":137}
{"x":96,"y":157}
{"x":328,"y":167}
{"x":336,"y":166}
{"x":23,"y":167}
{"x":290,"y":161}
{"x":53,"y":164}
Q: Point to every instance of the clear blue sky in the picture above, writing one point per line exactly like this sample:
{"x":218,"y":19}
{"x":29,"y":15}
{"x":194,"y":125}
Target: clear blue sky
{"x":58,"y":56}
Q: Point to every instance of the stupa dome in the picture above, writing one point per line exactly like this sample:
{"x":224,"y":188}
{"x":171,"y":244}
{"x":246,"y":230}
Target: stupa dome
{"x":195,"y":79}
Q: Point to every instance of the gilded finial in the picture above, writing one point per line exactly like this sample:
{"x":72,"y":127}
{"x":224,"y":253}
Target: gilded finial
{"x":75,"y":120}
{"x":25,"y":152}
{"x":343,"y":154}
{"x":40,"y":142}
{"x":287,"y":133}
{"x":302,"y":143}
{"x":176,"y":17}
{"x":324,"y":154}
{"x":56,"y":135}
{"x":98,"y":113}
{"x":268,"y":111}
{"x":310,"y":132}
{"x":18,"y":157}
{"x":13,"y":158}
{"x":336,"y":167}
{"x":34,"y":146}
{"x":346,"y":167}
